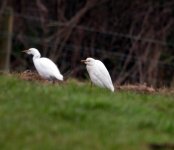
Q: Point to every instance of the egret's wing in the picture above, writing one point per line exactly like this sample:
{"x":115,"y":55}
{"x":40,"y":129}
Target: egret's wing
{"x":103,"y":74}
{"x":47,"y":67}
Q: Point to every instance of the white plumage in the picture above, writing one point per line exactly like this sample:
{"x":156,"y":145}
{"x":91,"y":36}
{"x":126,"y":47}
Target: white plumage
{"x":98,"y":73}
{"x":44,"y":66}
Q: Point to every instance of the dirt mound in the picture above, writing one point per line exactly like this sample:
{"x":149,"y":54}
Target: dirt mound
{"x":143,"y":88}
{"x":33,"y":76}
{"x":29,"y":75}
{"x":137,"y":88}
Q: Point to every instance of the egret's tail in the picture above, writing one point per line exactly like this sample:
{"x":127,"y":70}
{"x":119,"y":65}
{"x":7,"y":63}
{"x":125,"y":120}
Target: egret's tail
{"x":112,"y":88}
{"x":59,"y":77}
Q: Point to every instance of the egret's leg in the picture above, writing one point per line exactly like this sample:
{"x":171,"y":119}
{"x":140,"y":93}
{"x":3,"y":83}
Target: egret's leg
{"x":91,"y":87}
{"x":91,"y":84}
{"x":54,"y":81}
{"x":49,"y":81}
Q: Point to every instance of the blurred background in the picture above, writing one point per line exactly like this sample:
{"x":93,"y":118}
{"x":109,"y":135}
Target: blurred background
{"x":134,"y":39}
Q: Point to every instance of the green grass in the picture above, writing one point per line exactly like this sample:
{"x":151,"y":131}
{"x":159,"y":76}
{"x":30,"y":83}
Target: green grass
{"x":74,"y":117}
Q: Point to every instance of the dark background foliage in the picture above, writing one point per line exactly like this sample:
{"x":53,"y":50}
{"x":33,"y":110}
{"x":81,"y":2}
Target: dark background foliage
{"x":135,"y":39}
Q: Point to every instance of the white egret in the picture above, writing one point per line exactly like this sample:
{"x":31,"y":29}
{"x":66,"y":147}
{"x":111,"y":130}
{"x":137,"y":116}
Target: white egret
{"x":46,"y":68}
{"x":98,"y":73}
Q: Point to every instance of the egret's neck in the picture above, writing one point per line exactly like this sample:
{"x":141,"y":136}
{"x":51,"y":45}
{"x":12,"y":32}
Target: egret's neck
{"x":36,"y":56}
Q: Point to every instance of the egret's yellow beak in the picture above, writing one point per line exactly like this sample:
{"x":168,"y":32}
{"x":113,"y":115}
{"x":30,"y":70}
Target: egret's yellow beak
{"x":83,"y":61}
{"x":24,"y":51}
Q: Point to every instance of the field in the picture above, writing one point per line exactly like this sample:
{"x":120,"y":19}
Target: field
{"x":74,"y":116}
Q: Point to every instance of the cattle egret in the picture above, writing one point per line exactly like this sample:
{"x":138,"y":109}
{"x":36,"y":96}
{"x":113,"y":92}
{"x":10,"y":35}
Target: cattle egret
{"x":46,"y":68}
{"x":98,"y":73}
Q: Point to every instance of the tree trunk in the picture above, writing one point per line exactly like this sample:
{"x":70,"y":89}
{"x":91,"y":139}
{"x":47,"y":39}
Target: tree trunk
{"x":6,"y":24}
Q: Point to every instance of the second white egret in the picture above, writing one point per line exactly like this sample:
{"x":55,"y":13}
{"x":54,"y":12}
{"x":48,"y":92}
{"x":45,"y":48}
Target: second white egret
{"x":46,"y":68}
{"x":98,"y":73}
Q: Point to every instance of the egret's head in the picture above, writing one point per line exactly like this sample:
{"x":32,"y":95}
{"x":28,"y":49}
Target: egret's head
{"x":32,"y":51}
{"x":89,"y":61}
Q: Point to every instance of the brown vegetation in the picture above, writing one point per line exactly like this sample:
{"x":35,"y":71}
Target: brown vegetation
{"x":33,"y":76}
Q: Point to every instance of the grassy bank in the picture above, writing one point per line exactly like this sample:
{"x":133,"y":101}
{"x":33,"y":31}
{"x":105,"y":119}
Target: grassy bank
{"x":74,"y":116}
